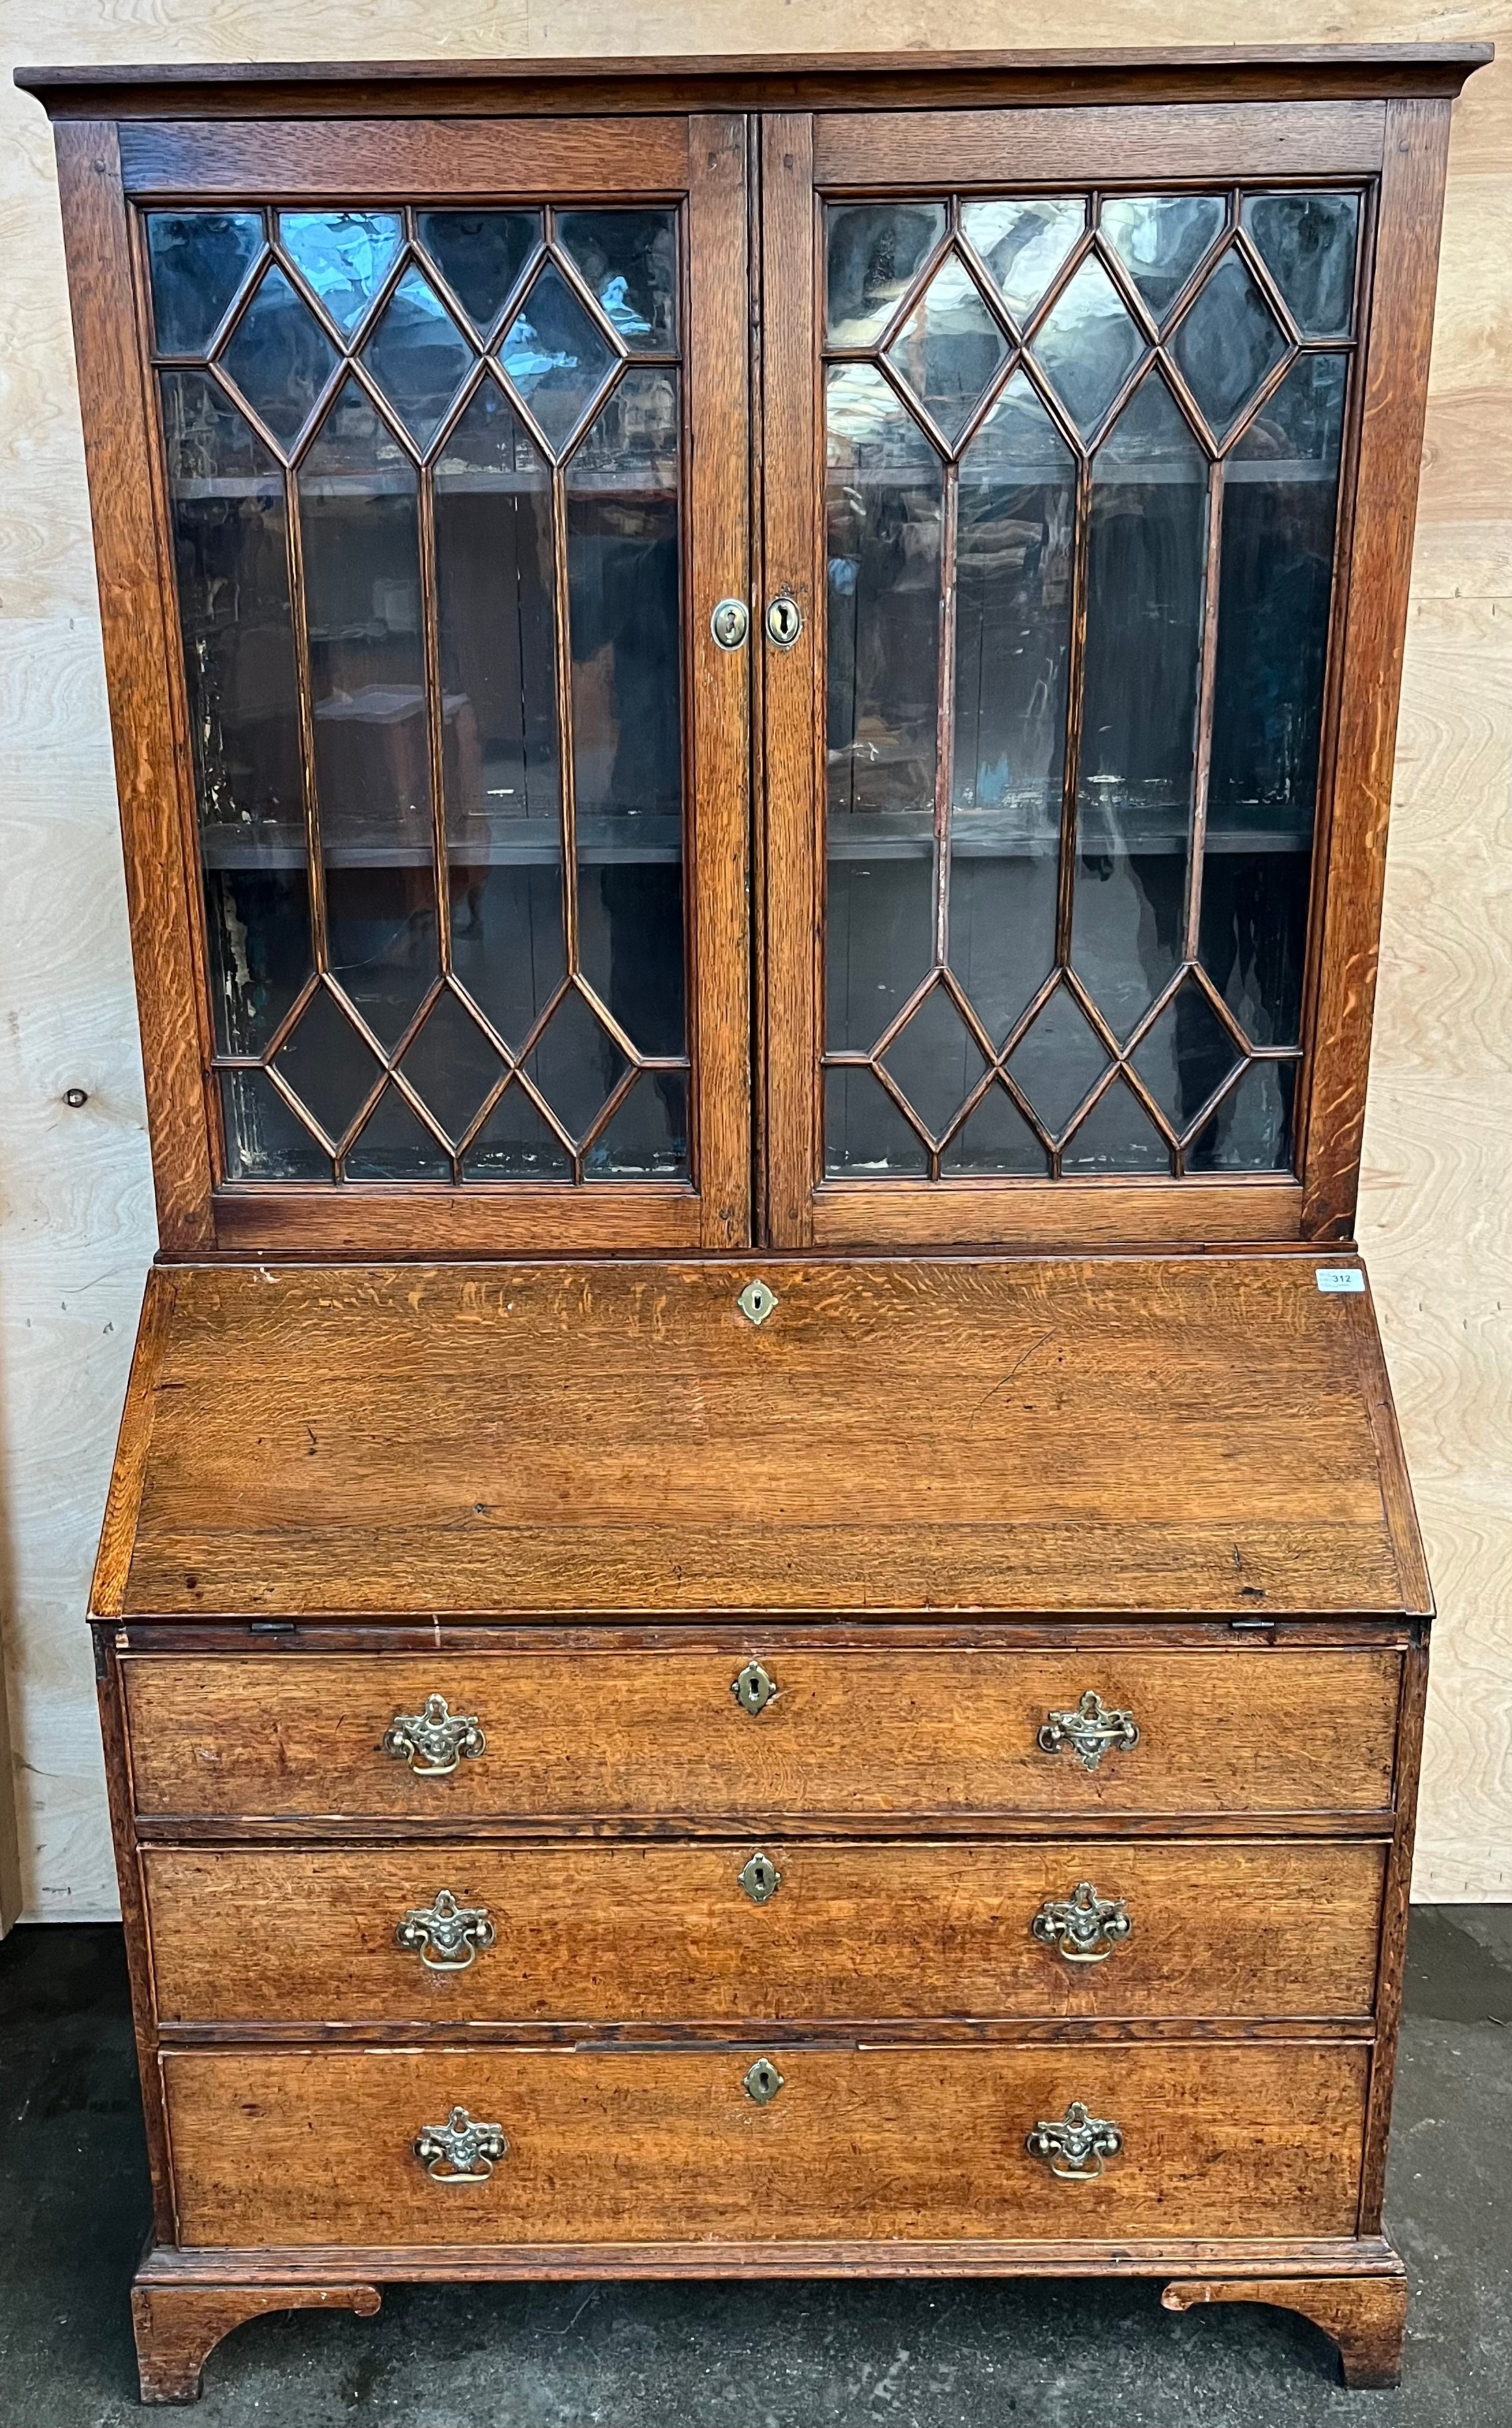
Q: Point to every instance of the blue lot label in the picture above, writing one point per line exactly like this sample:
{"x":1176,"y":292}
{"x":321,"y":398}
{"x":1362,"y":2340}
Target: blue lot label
{"x":1340,"y":1277}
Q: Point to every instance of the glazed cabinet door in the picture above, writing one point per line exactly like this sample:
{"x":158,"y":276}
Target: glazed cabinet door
{"x":1066,"y":407}
{"x":449,"y":426}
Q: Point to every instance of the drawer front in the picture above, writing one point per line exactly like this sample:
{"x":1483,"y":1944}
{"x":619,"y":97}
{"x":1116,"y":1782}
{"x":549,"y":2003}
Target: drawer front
{"x":596,"y":1932}
{"x":662,"y":1735}
{"x":646,"y":2146}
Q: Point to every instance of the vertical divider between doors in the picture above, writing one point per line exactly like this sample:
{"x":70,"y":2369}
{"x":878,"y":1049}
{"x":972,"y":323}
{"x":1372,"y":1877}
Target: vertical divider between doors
{"x":792,"y":734}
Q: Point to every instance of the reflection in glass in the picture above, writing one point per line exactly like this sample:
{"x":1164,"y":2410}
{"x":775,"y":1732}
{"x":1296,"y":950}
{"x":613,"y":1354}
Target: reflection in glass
{"x":1307,"y":242}
{"x":1251,"y":1130}
{"x":1088,"y":345}
{"x":279,"y":357}
{"x":419,"y":356}
{"x":873,"y":252}
{"x":1023,"y":242}
{"x":481,"y":255}
{"x":866,"y":1137}
{"x":198,"y":260}
{"x":226,"y":497}
{"x":495,"y":614}
{"x":948,"y":346}
{"x":555,"y":358}
{"x":1159,"y":238}
{"x":451,"y":1066}
{"x":1146,"y":553}
{"x":361,"y":579}
{"x":332,"y":1069}
{"x":645,"y":1138}
{"x":1280,"y":504}
{"x":395,"y":1144}
{"x":1227,"y":343}
{"x":1116,"y":1136}
{"x":1058,"y":1060}
{"x":623,"y":597}
{"x":1186,"y":1055}
{"x":1016,"y":516}
{"x":883,"y":503}
{"x":995,"y":1138}
{"x":514,"y":1144}
{"x":576,"y":1064}
{"x":936,"y":1060}
{"x":629,"y":260}
{"x":265,"y":1140}
{"x":344,"y":256}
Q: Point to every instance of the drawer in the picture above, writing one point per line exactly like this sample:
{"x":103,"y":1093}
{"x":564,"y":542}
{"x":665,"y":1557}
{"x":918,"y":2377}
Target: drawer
{"x":662,"y":1735}
{"x":596,"y":1932}
{"x":650,"y":2146}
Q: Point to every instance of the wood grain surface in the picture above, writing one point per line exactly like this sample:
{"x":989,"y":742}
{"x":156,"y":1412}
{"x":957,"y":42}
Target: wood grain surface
{"x":644,"y":1736}
{"x":893,"y":2144}
{"x":1165,"y":1436}
{"x":628,"y":1935}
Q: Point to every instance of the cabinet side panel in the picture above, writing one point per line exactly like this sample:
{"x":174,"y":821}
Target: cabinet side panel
{"x":1396,"y":388}
{"x":118,"y":450}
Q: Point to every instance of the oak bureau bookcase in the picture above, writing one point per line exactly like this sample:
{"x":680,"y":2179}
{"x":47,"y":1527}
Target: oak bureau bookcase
{"x":759,"y":1612}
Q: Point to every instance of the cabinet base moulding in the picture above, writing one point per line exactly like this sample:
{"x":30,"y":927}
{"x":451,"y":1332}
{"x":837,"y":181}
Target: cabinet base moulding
{"x":178,"y":2327}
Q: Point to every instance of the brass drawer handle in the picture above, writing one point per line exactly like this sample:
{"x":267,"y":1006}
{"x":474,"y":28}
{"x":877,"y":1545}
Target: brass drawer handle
{"x":459,"y":1933}
{"x":752,"y":1688}
{"x":1089,"y":1730}
{"x":459,"y":2151}
{"x":1082,"y":2139}
{"x":434,"y":1741}
{"x":1074,"y":1924}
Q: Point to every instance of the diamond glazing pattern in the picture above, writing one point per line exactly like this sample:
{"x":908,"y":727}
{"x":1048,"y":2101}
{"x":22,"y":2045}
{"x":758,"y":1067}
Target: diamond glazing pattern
{"x":451,"y":949}
{"x":1072,"y":777}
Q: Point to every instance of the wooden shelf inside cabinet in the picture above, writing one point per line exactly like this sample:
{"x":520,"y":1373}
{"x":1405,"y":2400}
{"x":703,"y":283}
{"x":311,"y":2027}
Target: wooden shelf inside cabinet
{"x":753,"y":707}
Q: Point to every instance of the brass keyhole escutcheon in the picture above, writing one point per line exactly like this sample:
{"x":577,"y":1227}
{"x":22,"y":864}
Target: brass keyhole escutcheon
{"x":759,"y":1877}
{"x":729,"y":623}
{"x":756,"y":1302}
{"x":763,"y":2082}
{"x":752,"y":1688}
{"x":784,"y":621}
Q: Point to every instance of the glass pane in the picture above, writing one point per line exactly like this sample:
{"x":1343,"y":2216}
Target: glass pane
{"x":1146,"y":556}
{"x":1307,"y":242}
{"x":1251,"y":1130}
{"x":393,"y":1144}
{"x":1227,"y":343}
{"x":361,"y":577}
{"x":935,"y":1061}
{"x":623,"y":579}
{"x":451,"y":1065}
{"x":873,"y":251}
{"x":1023,"y":243}
{"x":949,"y":348}
{"x":1116,"y":1136}
{"x":198,"y":260}
{"x":1058,"y":1060}
{"x":1159,"y":238}
{"x":1186,"y":1055}
{"x":1015,"y":516}
{"x":226,"y":497}
{"x":494,"y":592}
{"x":556,"y":357}
{"x":1088,"y":345}
{"x":279,"y":357}
{"x":866,"y":1137}
{"x":575,"y":1065}
{"x":884,"y":516}
{"x":419,"y":356}
{"x":1280,"y":502}
{"x":647,"y":1137}
{"x":265,"y":1140}
{"x":481,"y":255}
{"x":629,"y":259}
{"x":343,"y":256}
{"x":332,"y":1069}
{"x":514,"y":1144}
{"x":995,"y":1138}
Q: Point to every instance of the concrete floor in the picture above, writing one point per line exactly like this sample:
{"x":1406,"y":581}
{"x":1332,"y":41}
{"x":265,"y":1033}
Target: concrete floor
{"x":73,"y":2210}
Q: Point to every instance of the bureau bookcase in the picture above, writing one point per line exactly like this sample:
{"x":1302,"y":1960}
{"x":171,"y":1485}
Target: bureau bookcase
{"x":759,"y":1612}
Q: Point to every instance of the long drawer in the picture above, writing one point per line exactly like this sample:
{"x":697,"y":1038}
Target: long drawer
{"x":598,"y":1932}
{"x":661,"y":1734}
{"x":649,"y":2146}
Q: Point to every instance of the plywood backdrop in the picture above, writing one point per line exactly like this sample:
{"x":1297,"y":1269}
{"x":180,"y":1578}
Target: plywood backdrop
{"x":75,"y":1209}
